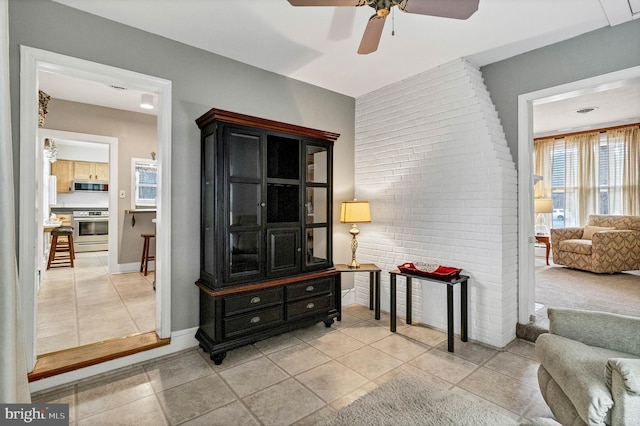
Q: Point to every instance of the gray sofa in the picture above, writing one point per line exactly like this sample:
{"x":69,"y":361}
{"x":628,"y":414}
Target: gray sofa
{"x":590,"y":367}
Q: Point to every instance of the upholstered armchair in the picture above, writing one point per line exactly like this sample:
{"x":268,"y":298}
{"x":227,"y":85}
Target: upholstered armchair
{"x":607,"y":244}
{"x":589,"y":370}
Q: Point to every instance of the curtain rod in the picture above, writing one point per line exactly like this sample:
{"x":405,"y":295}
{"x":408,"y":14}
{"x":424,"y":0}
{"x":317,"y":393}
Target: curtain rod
{"x":604,"y":129}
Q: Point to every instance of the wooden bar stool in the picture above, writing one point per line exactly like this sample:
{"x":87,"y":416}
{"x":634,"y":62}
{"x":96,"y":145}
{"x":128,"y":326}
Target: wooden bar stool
{"x":144,"y":263}
{"x":61,"y":252}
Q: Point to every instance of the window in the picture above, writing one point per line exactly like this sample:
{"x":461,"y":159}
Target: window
{"x":589,"y":173}
{"x":144,"y":183}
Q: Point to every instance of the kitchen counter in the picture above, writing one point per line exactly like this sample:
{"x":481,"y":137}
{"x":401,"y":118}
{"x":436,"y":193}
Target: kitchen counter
{"x":50,"y":226}
{"x":71,"y":209}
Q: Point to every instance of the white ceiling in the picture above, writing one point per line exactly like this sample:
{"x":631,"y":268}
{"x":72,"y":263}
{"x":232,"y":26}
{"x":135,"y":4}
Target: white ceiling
{"x":318,"y":45}
{"x":615,"y":106}
{"x":74,"y":89}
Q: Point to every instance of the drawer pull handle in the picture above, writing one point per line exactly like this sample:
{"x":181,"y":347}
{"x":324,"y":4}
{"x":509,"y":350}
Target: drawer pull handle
{"x":256,"y":300}
{"x":311,"y":305}
{"x":255,"y":320}
{"x":310,"y":288}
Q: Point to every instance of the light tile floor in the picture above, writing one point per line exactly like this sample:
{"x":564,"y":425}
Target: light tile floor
{"x":300,"y":377}
{"x":85,"y":304}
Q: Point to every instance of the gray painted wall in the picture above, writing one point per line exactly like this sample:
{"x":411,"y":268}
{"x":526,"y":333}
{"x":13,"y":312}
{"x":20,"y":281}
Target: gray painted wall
{"x":200,"y":81}
{"x":599,"y":52}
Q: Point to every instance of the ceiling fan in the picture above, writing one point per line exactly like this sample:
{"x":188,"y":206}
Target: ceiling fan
{"x":456,"y":9}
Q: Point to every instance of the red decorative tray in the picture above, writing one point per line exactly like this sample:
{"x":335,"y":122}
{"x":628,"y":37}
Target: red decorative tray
{"x":446,"y":273}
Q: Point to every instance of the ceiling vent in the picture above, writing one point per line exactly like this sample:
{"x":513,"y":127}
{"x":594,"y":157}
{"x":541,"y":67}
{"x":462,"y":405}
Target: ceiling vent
{"x":586,"y":110}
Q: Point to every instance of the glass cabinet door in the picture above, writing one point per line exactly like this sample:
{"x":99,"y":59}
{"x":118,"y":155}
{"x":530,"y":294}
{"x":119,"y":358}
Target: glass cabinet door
{"x":316,"y":246}
{"x":244,"y":204}
{"x":316,"y":206}
{"x":317,"y":164}
{"x":208,"y":254}
{"x":245,"y":253}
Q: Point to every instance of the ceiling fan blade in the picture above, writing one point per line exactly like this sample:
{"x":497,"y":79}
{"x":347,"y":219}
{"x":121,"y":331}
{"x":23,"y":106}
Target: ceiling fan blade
{"x":372,"y":34}
{"x":326,"y":2}
{"x":456,"y":9}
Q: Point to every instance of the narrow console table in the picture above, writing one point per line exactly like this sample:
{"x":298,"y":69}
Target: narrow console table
{"x":374,"y":283}
{"x":462,"y":280}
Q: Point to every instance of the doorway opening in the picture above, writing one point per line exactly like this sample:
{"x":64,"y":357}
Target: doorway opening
{"x":526,"y":239}
{"x":34,"y":61}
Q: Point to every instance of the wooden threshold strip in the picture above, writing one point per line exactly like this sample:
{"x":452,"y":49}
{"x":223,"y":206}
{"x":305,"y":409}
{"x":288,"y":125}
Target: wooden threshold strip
{"x":67,"y":360}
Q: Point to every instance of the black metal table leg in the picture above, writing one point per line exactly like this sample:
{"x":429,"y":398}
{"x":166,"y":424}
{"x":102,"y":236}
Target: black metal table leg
{"x":371,"y":295}
{"x":450,"y":318}
{"x":463,"y":311}
{"x":392,"y":308}
{"x":338,"y":293}
{"x":376,"y":276}
{"x":409,"y":300}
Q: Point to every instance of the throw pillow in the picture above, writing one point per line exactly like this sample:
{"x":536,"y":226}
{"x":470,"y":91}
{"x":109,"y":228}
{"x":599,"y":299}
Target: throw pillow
{"x":590,"y":230}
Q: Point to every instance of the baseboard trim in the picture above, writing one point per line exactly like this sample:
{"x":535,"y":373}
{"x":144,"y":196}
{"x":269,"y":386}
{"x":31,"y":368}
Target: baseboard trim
{"x":348,"y":296}
{"x":125,"y":268}
{"x":180,"y":340}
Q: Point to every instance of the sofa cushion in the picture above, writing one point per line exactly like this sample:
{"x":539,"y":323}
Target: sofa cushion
{"x":616,"y":221}
{"x":580,"y":372}
{"x":576,"y":246}
{"x":590,"y":230}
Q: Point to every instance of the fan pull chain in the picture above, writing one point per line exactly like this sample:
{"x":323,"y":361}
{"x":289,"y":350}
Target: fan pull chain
{"x":393,"y":21}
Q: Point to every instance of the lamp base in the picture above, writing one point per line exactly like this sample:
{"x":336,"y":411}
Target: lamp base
{"x":353,"y":264}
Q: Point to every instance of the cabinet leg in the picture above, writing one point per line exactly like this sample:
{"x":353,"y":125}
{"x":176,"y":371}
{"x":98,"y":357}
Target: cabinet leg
{"x":217,"y":358}
{"x":327,"y":323}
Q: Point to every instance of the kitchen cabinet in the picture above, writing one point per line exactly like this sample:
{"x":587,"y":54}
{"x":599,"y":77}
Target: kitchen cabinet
{"x":63,"y":170}
{"x":266,"y":251}
{"x":86,"y":170}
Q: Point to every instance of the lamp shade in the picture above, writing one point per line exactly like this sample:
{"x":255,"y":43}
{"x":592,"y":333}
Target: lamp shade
{"x":543,"y":205}
{"x":356,"y":211}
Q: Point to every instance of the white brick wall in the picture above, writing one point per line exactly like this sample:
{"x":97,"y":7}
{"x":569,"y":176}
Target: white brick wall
{"x":432,"y":159}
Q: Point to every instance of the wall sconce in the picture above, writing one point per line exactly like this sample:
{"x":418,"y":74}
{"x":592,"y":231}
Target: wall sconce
{"x":353,"y":212}
{"x":146,"y":101}
{"x":50,"y":150}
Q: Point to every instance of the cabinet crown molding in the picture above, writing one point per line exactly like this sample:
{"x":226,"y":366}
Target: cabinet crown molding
{"x":215,"y":114}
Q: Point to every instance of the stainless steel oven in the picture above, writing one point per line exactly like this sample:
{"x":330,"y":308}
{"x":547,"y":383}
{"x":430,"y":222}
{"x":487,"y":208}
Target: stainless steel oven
{"x":90,"y":230}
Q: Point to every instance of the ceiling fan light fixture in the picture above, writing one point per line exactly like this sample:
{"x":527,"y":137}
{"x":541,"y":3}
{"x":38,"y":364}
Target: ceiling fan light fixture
{"x":455,"y":9}
{"x":146,"y":101}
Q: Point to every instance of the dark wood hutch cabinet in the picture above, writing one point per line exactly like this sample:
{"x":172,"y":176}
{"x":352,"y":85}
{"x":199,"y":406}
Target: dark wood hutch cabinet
{"x":266,"y":234}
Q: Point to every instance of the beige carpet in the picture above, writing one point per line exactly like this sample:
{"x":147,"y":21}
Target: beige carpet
{"x":558,"y":286}
{"x":407,"y":400}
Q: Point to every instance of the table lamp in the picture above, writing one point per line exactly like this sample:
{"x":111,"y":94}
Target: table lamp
{"x":541,"y":206}
{"x":356,"y":211}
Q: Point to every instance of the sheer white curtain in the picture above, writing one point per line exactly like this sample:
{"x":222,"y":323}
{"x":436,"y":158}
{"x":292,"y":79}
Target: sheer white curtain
{"x":13,"y":364}
{"x":543,"y":166}
{"x":624,"y":164}
{"x":583,"y":175}
{"x":569,"y":166}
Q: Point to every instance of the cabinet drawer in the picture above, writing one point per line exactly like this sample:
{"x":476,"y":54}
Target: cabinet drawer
{"x":248,"y":322}
{"x":309,"y":288}
{"x":309,"y":306}
{"x":254,"y":300}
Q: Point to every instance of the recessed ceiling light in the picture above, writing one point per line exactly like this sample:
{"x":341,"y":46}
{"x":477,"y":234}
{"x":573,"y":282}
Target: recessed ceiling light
{"x":586,"y":110}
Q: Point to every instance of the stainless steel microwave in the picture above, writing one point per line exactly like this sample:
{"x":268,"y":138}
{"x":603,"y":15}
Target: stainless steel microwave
{"x":85,"y":185}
